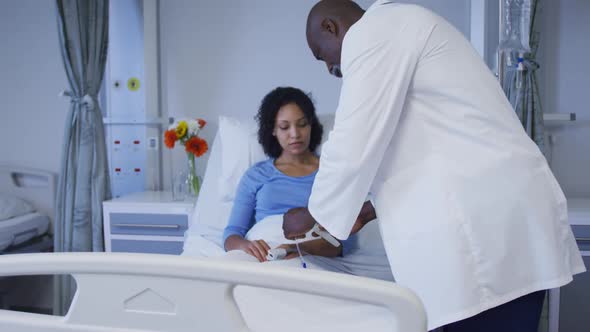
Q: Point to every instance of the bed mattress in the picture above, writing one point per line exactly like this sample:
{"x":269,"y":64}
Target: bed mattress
{"x":17,"y":230}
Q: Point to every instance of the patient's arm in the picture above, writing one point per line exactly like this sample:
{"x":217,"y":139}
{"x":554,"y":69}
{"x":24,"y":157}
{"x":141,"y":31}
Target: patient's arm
{"x":319,"y":247}
{"x":298,"y":221}
{"x":257,"y":248}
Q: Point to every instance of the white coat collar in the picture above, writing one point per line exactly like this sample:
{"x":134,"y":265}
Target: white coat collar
{"x":378,"y":3}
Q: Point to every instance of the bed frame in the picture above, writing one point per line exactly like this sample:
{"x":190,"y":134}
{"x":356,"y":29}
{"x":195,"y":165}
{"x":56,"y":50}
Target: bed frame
{"x":36,"y":186}
{"x":119,"y":292}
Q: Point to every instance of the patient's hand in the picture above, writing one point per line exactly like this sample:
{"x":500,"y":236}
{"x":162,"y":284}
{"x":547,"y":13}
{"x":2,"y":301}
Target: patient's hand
{"x":291,"y":250}
{"x":256,"y":248}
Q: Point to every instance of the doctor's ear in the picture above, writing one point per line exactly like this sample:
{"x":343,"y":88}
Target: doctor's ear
{"x":329,"y":26}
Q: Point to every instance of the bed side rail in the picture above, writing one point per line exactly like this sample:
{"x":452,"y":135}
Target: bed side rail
{"x":141,"y":292}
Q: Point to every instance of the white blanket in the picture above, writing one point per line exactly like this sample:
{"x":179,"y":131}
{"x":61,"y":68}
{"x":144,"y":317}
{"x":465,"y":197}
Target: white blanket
{"x":272,"y":310}
{"x":367,"y":259}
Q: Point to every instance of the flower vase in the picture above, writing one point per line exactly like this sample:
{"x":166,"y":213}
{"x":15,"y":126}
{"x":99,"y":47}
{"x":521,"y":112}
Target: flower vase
{"x":192,"y":180}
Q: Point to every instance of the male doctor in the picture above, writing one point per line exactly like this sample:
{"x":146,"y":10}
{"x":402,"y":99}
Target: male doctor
{"x":471,"y":216}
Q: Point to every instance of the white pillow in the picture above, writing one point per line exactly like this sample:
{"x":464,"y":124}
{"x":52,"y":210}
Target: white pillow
{"x":210,"y":214}
{"x":239,"y":150}
{"x":11,"y":207}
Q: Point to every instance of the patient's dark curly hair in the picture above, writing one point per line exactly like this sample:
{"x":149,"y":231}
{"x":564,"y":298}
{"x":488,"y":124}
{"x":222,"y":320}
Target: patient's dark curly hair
{"x":267,"y":114}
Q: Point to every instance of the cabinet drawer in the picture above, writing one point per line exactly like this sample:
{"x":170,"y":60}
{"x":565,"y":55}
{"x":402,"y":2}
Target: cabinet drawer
{"x":148,"y":247}
{"x":148,"y":224}
{"x":582,"y":235}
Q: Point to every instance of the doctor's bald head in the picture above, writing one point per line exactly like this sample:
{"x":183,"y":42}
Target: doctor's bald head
{"x":327,"y":24}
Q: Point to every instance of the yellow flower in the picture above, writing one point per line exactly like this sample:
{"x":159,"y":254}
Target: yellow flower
{"x":181,"y":129}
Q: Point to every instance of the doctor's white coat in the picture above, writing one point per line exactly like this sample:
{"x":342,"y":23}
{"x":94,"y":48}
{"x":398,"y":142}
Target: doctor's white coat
{"x":470,"y":214}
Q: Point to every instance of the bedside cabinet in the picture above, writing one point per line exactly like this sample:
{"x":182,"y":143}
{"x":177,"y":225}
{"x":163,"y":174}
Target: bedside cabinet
{"x":146,"y":222}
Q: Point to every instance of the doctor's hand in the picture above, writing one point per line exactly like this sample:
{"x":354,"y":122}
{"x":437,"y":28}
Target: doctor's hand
{"x":297,"y":222}
{"x":367,"y":214}
{"x":359,"y":223}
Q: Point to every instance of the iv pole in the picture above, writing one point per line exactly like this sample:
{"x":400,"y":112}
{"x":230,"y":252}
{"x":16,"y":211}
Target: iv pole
{"x":500,"y":54}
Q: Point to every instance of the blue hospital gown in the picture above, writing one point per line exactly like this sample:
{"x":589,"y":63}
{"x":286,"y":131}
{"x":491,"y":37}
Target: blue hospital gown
{"x":264,"y":191}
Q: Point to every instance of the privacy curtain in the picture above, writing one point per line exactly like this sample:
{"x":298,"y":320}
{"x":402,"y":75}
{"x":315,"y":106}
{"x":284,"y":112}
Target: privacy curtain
{"x":83,"y":180}
{"x":522,"y":87}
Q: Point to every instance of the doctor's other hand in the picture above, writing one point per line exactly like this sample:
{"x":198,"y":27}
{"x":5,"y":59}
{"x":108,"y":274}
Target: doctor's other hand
{"x":359,"y":223}
{"x":367,"y":214}
{"x":297,"y":222}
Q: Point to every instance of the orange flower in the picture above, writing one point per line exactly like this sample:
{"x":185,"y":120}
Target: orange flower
{"x":170,"y":138}
{"x":197,"y":146}
{"x":202,"y":123}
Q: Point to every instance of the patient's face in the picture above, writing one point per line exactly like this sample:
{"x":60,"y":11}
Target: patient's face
{"x":292,"y":130}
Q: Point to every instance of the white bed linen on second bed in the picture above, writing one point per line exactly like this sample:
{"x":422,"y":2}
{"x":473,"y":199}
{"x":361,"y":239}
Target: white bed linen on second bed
{"x":20,"y":229}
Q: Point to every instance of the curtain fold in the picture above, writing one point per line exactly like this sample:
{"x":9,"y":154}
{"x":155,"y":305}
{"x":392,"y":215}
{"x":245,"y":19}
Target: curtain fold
{"x":83,"y":180}
{"x":521,"y":85}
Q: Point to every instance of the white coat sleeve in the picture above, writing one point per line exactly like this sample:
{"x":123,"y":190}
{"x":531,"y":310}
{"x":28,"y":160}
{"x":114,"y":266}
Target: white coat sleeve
{"x":376,"y":75}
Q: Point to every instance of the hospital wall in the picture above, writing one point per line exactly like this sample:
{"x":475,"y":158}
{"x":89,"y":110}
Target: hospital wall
{"x":215,"y":59}
{"x":221,"y":58}
{"x":564,"y":73}
{"x":31,"y":76}
{"x":227,"y":65}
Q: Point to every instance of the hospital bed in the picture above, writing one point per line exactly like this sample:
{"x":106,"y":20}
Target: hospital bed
{"x":26,"y":206}
{"x":199,"y":291}
{"x":135,"y":292}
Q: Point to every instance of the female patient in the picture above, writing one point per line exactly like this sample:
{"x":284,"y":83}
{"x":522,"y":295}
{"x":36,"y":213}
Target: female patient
{"x":289,"y":132}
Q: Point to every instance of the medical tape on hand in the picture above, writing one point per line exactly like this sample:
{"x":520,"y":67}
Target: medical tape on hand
{"x":275,"y":254}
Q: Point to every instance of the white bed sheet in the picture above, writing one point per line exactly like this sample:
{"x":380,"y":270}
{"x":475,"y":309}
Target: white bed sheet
{"x":365,"y":260}
{"x":17,"y":230}
{"x":272,"y":310}
{"x":268,"y":310}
